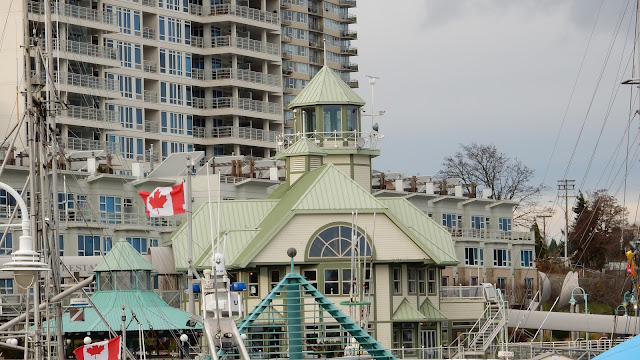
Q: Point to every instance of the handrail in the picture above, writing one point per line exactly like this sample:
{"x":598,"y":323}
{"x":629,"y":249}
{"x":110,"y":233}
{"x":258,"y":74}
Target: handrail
{"x":238,"y":103}
{"x":78,"y":12}
{"x":244,"y":44}
{"x":245,"y":12}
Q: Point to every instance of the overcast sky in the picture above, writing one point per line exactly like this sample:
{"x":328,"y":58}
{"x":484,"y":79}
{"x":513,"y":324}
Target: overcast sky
{"x":503,"y":73}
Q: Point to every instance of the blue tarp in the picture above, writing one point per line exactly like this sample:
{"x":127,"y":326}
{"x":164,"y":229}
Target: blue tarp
{"x":628,"y":350}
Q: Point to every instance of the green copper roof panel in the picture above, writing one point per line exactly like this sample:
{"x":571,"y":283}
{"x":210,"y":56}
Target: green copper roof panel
{"x":147,"y":306}
{"x":123,"y":256}
{"x":405,"y":312}
{"x":431,"y":312}
{"x":432,"y":238}
{"x":239,"y":220}
{"x":326,"y":87}
{"x":304,"y":146}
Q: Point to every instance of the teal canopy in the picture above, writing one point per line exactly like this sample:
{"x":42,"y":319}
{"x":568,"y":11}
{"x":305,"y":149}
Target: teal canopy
{"x":628,"y":350}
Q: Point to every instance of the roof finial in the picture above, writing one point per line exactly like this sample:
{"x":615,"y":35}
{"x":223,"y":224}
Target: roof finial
{"x":324,"y":48}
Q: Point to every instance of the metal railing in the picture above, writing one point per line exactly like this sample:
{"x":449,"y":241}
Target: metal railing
{"x":245,"y":44}
{"x":492,"y":234}
{"x":349,"y":66}
{"x":77,"y":12}
{"x":195,"y":9}
{"x":149,"y":33}
{"x":245,"y":12}
{"x":88,"y":113}
{"x":461,"y":292}
{"x":349,"y":18}
{"x":235,"y":103}
{"x":236,"y":132}
{"x":351,"y":34}
{"x":82,"y":48}
{"x":347,"y":2}
{"x":149,"y":66}
{"x":150,"y":3}
{"x":197,"y":41}
{"x":96,"y":217}
{"x":329,"y":139}
{"x":93,"y":82}
{"x":349,"y":50}
{"x":151,"y":126}
{"x":150,"y":96}
{"x":237,"y":74}
{"x":88,"y":144}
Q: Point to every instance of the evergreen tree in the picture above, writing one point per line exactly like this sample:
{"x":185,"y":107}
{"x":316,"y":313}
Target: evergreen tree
{"x":541,"y":243}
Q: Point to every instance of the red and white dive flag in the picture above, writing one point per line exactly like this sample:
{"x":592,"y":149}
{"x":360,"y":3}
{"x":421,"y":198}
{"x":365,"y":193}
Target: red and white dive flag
{"x":103,"y":350}
{"x":164,"y":201}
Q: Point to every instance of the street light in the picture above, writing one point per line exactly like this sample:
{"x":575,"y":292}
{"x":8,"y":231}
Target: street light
{"x":631,"y":301}
{"x":572,"y":302}
{"x":624,"y":307}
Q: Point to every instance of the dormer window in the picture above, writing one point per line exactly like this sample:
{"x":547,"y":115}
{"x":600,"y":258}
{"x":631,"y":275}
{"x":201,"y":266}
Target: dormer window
{"x":335,"y":241}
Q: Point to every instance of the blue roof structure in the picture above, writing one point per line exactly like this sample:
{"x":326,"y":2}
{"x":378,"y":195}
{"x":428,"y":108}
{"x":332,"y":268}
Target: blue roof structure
{"x":628,"y":350}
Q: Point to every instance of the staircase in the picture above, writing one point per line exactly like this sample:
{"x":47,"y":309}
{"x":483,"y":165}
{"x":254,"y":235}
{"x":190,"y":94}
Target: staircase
{"x":485,"y":331}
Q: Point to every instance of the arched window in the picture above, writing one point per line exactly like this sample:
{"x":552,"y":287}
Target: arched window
{"x":335,"y":241}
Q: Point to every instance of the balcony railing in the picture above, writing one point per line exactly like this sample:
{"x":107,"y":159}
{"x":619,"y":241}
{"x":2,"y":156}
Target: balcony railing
{"x":348,"y":19}
{"x":195,"y":9}
{"x":150,"y":3}
{"x":150,"y":96}
{"x":77,"y":12}
{"x":347,"y":3}
{"x":461,"y":292}
{"x":349,"y":34}
{"x":349,"y":50}
{"x":89,"y":144}
{"x":87,"y":113}
{"x":314,"y":26}
{"x":235,"y":132}
{"x":349,"y":66}
{"x":82,"y":48}
{"x":353,"y":83}
{"x":240,"y":104}
{"x":491,"y":234}
{"x":149,"y":66}
{"x":197,"y":41}
{"x":80,"y":80}
{"x":149,"y":33}
{"x":285,"y":38}
{"x":245,"y":44}
{"x":245,"y":12}
{"x":151,"y":127}
{"x":97,"y":217}
{"x":330,"y":139}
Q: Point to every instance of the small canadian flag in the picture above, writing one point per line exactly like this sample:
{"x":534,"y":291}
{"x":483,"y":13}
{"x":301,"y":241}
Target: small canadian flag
{"x":164,"y":201}
{"x":102,"y":350}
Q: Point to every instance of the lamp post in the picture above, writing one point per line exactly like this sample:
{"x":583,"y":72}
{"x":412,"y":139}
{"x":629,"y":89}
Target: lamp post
{"x":572,"y":302}
{"x":632,"y":300}
{"x":618,"y":309}
{"x":25,"y":263}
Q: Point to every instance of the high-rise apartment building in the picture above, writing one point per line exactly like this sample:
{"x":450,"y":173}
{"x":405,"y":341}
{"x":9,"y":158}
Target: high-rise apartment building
{"x":315,"y":32}
{"x":143,"y":79}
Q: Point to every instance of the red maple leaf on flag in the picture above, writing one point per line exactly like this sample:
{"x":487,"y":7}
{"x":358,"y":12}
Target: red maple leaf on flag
{"x":156,"y":200}
{"x":95,"y":350}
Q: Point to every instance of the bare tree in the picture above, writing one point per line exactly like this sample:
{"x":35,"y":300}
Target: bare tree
{"x":508,"y":178}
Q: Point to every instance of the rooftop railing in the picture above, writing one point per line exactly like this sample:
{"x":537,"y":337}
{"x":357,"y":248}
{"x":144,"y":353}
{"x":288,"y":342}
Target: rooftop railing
{"x":245,"y":12}
{"x":96,"y":217}
{"x":492,"y":234}
{"x":235,"y":132}
{"x":235,"y":103}
{"x":77,"y":12}
{"x":331,"y":139}
{"x":461,"y":292}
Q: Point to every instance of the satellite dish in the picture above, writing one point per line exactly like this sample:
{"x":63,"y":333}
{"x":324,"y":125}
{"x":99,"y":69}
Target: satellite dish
{"x":360,"y":143}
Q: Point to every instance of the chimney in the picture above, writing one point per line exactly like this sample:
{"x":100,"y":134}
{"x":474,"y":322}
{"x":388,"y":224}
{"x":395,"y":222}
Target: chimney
{"x":273,"y":173}
{"x":92,"y":165}
{"x":399,"y":185}
{"x":428,"y":188}
{"x":486,"y":193}
{"x":458,"y":190}
{"x":414,"y":184}
{"x":137,"y":170}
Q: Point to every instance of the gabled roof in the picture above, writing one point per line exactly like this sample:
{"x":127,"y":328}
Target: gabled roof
{"x":431,"y":312}
{"x":432,"y":238}
{"x":406,"y":312}
{"x":123,"y":257}
{"x":326,"y":87}
{"x":147,"y":306}
{"x":304,"y":146}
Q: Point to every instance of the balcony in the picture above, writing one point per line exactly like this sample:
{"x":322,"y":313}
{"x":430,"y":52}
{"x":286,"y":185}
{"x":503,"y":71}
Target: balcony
{"x":315,"y":26}
{"x":151,"y":127}
{"x":329,"y":139}
{"x":286,"y":55}
{"x":197,"y":41}
{"x":349,"y":34}
{"x":239,"y":104}
{"x":348,"y":19}
{"x":461,"y":292}
{"x":245,"y":44}
{"x":285,"y":38}
{"x":87,"y":113}
{"x":353,"y":84}
{"x":149,"y":66}
{"x":313,"y":10}
{"x":485,"y":234}
{"x":245,"y":12}
{"x":287,"y":72}
{"x":150,"y":96}
{"x":316,"y":60}
{"x":149,"y":33}
{"x":150,"y":3}
{"x":316,"y":44}
{"x":349,"y":67}
{"x":80,"y":144}
{"x":235,"y":132}
{"x":86,"y":216}
{"x":86,"y":49}
{"x":76,"y":12}
{"x":349,"y":50}
{"x":285,"y":4}
{"x":347,"y":3}
{"x":79,"y":80}
{"x":236,"y":74}
{"x":195,"y":9}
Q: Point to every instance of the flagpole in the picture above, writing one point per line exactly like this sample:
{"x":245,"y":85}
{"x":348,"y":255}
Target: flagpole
{"x":192,"y":304}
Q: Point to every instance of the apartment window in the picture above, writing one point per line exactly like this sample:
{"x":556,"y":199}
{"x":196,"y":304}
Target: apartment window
{"x":431,"y":281}
{"x":501,"y":257}
{"x":153,"y":243}
{"x":422,"y":281}
{"x":174,"y":30}
{"x":253,"y":283}
{"x":175,"y":94}
{"x":347,"y":282}
{"x":174,"y":5}
{"x":128,"y":20}
{"x":169,"y":147}
{"x":274,"y":278}
{"x":139,"y":243}
{"x":449,"y":221}
{"x":501,"y":283}
{"x":397,"y":280}
{"x":473,"y":256}
{"x":88,"y":245}
{"x":111,"y":209}
{"x":174,"y":62}
{"x":526,"y":258}
{"x":129,"y":146}
{"x":130,"y":55}
{"x":445,"y":281}
{"x":411,"y":280}
{"x":61,"y":245}
{"x":107,"y":244}
{"x":331,"y":282}
{"x":504,"y":224}
{"x":477,"y":222}
{"x":175,"y":123}
{"x":312,"y":277}
{"x":130,"y":87}
{"x":332,"y":117}
{"x":528,"y":287}
{"x":7,"y":203}
{"x":6,"y":248}
{"x":130,"y":117}
{"x":6,"y":286}
{"x":474,"y":280}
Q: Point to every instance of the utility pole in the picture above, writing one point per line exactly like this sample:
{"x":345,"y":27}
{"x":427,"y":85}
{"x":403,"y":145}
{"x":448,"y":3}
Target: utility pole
{"x":566,"y":185}
{"x":544,"y":226}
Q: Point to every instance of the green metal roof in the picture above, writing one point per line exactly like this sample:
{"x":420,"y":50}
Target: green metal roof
{"x":123,"y":256}
{"x":431,"y":312}
{"x":304,"y":146}
{"x":147,"y":306}
{"x":405,"y":312}
{"x":326,"y":87}
{"x":432,"y":238}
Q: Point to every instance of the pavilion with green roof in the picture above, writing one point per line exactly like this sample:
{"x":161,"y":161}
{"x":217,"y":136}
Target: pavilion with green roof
{"x":325,"y":210}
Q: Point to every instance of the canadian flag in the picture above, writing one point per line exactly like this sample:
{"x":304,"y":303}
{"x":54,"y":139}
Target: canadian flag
{"x":102,"y":350}
{"x":164,"y":201}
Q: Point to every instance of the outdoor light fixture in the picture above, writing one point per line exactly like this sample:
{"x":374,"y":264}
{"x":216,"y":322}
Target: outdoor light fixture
{"x":87,"y":340}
